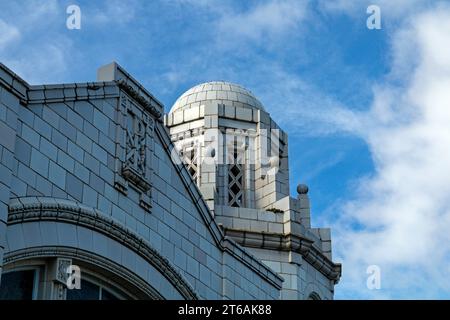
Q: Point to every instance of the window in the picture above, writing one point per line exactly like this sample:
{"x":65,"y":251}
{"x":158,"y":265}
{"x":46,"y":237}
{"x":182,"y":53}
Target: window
{"x":106,"y":295}
{"x":18,"y":285}
{"x":189,"y":154}
{"x":90,"y":291}
{"x":236,"y":176}
{"x":314,"y":296}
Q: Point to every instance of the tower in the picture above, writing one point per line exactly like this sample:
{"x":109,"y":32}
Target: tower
{"x":237,"y":156}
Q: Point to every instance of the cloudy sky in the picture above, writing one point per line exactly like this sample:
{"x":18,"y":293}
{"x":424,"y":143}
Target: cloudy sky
{"x":367,"y":111}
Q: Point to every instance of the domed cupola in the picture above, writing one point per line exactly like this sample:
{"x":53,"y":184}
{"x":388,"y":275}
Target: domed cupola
{"x":238,"y":157}
{"x":219,"y":92}
{"x":234,"y":151}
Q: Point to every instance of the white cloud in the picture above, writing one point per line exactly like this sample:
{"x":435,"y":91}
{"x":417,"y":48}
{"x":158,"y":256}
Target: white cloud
{"x":399,"y":215}
{"x":392,"y":9}
{"x":8,"y":33}
{"x":235,"y":25}
{"x":316,"y":113}
{"x":45,"y":65}
{"x":112,"y":12}
{"x":264,"y":22}
{"x":40,"y":52}
{"x":322,"y":165}
{"x":403,"y":210}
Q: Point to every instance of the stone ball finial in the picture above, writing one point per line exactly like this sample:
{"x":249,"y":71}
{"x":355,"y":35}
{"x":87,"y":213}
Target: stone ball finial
{"x":302,"y":189}
{"x":210,"y":152}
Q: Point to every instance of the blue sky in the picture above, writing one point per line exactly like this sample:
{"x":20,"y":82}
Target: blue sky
{"x":363,"y":108}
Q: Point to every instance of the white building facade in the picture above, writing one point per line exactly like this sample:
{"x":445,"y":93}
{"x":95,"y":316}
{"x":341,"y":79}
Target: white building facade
{"x":96,"y":181}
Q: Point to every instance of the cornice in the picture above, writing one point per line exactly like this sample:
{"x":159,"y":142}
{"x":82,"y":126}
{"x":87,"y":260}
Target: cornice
{"x":68,"y":92}
{"x":148,"y":105}
{"x":288,"y":242}
{"x":22,"y":210}
{"x":88,"y":91}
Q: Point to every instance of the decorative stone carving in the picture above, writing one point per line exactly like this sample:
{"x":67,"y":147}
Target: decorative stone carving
{"x":59,"y":291}
{"x":60,"y":277}
{"x":61,"y":270}
{"x":135,"y":137}
{"x":140,"y":99}
{"x":134,"y":167}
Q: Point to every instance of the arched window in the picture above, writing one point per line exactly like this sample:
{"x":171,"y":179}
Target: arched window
{"x":93,"y":290}
{"x":314,"y":296}
{"x":34,"y":280}
{"x":19,"y":285}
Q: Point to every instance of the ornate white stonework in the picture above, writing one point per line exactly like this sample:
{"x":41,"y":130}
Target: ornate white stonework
{"x":246,"y":184}
{"x":192,"y":206}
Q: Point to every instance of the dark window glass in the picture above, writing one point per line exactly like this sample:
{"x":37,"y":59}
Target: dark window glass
{"x":314,"y":296}
{"x":106,"y":295}
{"x":17,"y":285}
{"x":88,"y":291}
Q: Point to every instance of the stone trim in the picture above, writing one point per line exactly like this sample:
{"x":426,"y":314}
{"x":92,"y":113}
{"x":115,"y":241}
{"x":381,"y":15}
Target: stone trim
{"x":30,"y":209}
{"x":268,"y":240}
{"x":148,"y":105}
{"x":288,"y":242}
{"x":191,"y":133}
{"x":224,"y":243}
{"x":14,"y":83}
{"x":114,"y":72}
{"x":82,"y":255}
{"x":72,"y":92}
{"x":86,"y":91}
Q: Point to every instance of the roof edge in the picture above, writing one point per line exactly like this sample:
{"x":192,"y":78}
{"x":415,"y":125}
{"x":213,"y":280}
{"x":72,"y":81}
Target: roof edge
{"x":223,"y":242}
{"x":14,"y":83}
{"x":114,"y":72}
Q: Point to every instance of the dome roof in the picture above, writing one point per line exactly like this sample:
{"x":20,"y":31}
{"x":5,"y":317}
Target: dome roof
{"x":220,"y":91}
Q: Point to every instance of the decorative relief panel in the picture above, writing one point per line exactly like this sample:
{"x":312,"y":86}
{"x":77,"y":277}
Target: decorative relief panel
{"x":61,"y":269}
{"x":60,"y":276}
{"x":134,"y":167}
{"x":134,"y":149}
